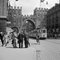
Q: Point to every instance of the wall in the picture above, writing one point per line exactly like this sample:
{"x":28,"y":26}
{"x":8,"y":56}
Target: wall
{"x":3,"y":8}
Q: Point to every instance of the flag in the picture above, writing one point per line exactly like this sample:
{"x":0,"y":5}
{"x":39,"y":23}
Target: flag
{"x":16,"y":0}
{"x":46,"y":3}
{"x":42,"y":0}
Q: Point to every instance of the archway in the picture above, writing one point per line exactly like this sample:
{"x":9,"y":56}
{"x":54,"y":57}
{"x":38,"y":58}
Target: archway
{"x":29,"y":25}
{"x":32,"y":23}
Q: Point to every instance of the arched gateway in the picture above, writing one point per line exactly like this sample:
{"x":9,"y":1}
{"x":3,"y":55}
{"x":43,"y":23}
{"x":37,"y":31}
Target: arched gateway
{"x":29,"y":24}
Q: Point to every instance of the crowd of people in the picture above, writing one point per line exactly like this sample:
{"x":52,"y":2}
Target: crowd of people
{"x":15,"y":38}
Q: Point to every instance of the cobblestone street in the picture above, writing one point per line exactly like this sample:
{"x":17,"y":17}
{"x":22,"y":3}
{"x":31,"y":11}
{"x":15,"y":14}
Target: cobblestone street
{"x":48,"y":49}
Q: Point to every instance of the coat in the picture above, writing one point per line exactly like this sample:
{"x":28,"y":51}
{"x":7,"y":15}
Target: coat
{"x":20,"y":38}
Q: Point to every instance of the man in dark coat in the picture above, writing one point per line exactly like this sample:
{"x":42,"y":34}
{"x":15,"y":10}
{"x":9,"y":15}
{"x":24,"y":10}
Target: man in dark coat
{"x":26,"y":38}
{"x":1,"y":38}
{"x":20,"y":40}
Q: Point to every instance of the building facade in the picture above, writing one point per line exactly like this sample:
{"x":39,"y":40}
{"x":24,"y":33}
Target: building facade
{"x":28,"y":23}
{"x":40,"y":14}
{"x":3,"y":8}
{"x":3,"y":15}
{"x":53,"y":21}
{"x":15,"y":16}
{"x":38,"y":18}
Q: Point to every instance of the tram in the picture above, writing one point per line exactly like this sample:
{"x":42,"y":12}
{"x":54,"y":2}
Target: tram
{"x":42,"y":33}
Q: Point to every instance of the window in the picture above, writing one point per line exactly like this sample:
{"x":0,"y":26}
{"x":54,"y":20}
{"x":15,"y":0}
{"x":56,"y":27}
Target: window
{"x":43,"y":31}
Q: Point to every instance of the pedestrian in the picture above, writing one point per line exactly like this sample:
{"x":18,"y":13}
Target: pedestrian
{"x":26,"y":39}
{"x":14,"y":38}
{"x":37,"y":38}
{"x":20,"y":40}
{"x":1,"y":38}
{"x":6,"y":38}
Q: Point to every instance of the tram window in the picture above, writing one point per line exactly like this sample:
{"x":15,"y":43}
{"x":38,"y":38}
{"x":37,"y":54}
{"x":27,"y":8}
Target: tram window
{"x":43,"y":31}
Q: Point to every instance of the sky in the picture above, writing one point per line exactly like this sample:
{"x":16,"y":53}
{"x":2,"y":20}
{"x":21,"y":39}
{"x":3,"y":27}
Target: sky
{"x":28,"y":6}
